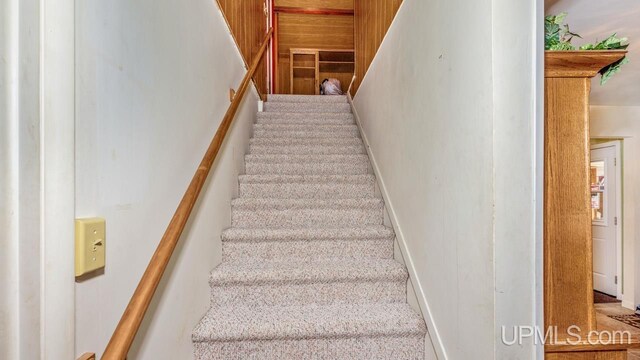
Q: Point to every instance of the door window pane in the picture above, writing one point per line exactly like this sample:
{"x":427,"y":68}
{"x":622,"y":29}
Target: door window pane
{"x":598,"y":188}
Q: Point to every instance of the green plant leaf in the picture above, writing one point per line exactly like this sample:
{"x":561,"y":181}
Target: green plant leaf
{"x":608,"y":71}
{"x":610,"y":43}
{"x":558,"y":36}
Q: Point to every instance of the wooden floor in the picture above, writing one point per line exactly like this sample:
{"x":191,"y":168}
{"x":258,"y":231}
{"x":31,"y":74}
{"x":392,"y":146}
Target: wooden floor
{"x":607,"y":323}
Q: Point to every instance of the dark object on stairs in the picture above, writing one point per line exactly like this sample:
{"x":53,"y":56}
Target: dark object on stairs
{"x":331,"y":87}
{"x":602,"y":298}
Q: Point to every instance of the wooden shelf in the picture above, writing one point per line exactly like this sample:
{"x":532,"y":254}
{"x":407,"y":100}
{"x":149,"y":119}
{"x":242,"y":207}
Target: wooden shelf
{"x":336,"y":55}
{"x":317,"y":64}
{"x":304,"y":72}
{"x":337,"y":66}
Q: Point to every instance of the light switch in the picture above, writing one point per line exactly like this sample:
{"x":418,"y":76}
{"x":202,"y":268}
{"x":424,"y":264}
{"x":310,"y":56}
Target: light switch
{"x":90,"y":245}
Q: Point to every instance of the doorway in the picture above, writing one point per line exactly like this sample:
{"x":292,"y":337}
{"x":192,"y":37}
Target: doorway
{"x":606,"y":219}
{"x":311,"y":42}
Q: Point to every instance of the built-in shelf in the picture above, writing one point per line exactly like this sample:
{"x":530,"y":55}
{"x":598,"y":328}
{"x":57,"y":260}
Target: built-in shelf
{"x":336,"y":67}
{"x":319,"y":64}
{"x":304,"y":72}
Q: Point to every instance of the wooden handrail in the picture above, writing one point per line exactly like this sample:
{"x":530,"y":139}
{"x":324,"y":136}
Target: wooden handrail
{"x":129,"y":324}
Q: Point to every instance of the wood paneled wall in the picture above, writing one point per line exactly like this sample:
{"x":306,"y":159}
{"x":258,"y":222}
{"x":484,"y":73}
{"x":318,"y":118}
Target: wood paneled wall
{"x":248,"y":24}
{"x":317,"y":4}
{"x":310,"y":31}
{"x":372,"y":20}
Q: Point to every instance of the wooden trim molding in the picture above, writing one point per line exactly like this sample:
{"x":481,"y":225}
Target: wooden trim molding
{"x":586,"y":347}
{"x":129,"y":324}
{"x":579,"y":64}
{"x":274,"y":52}
{"x":312,"y":11}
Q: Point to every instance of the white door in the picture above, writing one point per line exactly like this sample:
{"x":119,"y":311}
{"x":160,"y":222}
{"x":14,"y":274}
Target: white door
{"x":604,"y":217}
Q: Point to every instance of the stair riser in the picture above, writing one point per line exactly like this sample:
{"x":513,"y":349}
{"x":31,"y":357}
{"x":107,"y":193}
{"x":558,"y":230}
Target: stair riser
{"x":304,"y":116}
{"x":302,"y":121}
{"x":349,"y":168}
{"x":310,"y":217}
{"x":307,"y":107}
{"x":307,"y":150}
{"x":305,"y":127}
{"x":322,"y":293}
{"x":280,"y":141}
{"x":409,"y":347}
{"x":307,"y":191}
{"x":258,"y":134}
{"x":273,"y":98}
{"x":298,"y":250}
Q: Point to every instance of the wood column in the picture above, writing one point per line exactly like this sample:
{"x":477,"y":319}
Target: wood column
{"x":568,"y":250}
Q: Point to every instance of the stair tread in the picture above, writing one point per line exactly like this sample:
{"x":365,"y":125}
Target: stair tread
{"x":307,"y":234}
{"x":292,"y":271}
{"x":311,"y":158}
{"x":344,"y":141}
{"x":295,"y":121}
{"x":307,"y":98}
{"x":290,"y":204}
{"x":308,"y":321}
{"x":305,"y":134}
{"x":307,"y":107}
{"x":306,"y":127}
{"x":304,"y":115}
{"x":306,"y":179}
{"x":307,"y":149}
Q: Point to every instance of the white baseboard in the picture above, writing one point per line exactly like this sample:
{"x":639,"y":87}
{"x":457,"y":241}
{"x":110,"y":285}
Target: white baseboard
{"x":436,"y":341}
{"x":628,"y":305}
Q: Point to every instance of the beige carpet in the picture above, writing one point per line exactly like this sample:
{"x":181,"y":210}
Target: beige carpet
{"x":308,"y":269}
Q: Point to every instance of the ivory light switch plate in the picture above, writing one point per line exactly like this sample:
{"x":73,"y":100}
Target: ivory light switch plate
{"x":90,"y":245}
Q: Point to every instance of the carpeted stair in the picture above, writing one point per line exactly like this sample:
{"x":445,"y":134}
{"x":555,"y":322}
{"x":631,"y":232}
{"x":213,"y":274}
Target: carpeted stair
{"x":308,"y":269}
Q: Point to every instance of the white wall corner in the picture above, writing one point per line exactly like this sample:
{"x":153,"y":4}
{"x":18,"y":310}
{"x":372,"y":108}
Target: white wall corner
{"x":433,"y":337}
{"x":57,"y":178}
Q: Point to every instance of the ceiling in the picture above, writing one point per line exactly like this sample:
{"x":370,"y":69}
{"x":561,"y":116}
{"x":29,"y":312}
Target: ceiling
{"x":596,"y":20}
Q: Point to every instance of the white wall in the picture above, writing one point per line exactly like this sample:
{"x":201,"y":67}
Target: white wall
{"x":623,"y":122}
{"x":9,"y":299}
{"x":152,"y":86}
{"x":448,"y":111}
{"x":518,"y":178}
{"x":36,"y":186}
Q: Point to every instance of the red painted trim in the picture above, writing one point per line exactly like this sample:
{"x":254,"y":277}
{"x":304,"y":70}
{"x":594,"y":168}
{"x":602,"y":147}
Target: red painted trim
{"x":312,"y":11}
{"x":275,"y":53}
{"x":274,"y":48}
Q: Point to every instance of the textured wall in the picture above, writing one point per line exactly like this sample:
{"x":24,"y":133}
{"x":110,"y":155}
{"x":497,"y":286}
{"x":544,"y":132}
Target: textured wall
{"x":152,"y":86}
{"x":449,"y":115}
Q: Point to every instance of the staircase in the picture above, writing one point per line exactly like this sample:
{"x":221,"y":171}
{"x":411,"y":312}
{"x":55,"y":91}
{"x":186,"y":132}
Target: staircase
{"x":308,"y":269}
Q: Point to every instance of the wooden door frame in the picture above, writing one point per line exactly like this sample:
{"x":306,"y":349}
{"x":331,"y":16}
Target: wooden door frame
{"x":617,"y":144}
{"x":274,"y":12}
